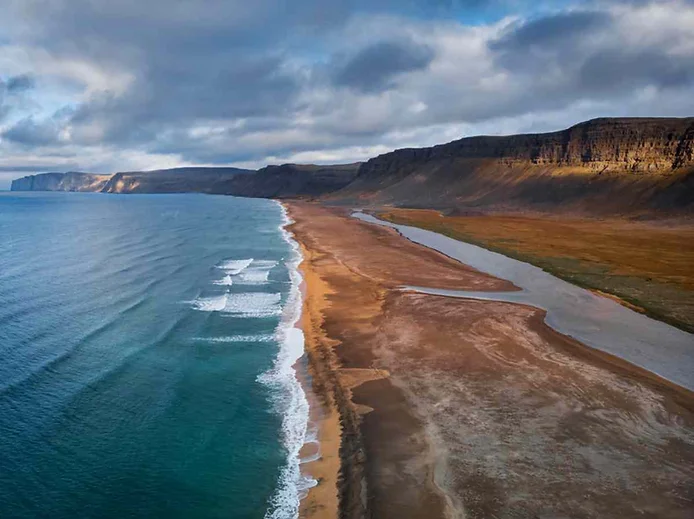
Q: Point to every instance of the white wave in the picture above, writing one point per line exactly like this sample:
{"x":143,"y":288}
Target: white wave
{"x":211,"y":304}
{"x":256,"y":273}
{"x":253,"y":304}
{"x":264,"y":264}
{"x":235,"y":266}
{"x":237,"y":338}
{"x":288,"y":394}
{"x":253,"y":276}
{"x":226,"y":281}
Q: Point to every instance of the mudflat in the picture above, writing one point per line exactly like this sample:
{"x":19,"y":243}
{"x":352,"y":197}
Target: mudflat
{"x":459,"y":408}
{"x":647,"y":265}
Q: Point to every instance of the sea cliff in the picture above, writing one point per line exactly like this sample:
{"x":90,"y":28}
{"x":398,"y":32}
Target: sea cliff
{"x":70,"y":181}
{"x":629,"y":166}
{"x":599,"y":166}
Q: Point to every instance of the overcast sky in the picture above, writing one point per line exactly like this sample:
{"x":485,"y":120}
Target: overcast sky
{"x":105,"y":85}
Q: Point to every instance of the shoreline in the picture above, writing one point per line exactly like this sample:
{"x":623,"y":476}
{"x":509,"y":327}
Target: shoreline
{"x":408,"y":446}
{"x":287,"y":378}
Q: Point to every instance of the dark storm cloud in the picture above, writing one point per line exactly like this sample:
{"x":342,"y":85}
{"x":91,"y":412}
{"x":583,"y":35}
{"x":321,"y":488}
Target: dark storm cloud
{"x":376,"y":67}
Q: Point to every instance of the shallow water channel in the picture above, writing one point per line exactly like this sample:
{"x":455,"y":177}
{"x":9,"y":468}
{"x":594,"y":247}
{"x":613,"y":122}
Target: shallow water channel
{"x":596,"y":321}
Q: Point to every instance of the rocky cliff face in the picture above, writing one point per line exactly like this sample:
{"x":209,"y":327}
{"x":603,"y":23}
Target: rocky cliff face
{"x":630,"y":145}
{"x":176,"y":180}
{"x":603,"y":165}
{"x":70,"y":181}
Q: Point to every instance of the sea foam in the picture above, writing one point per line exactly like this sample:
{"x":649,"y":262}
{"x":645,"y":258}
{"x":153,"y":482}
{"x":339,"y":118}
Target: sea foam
{"x":256,"y":273}
{"x":211,"y":304}
{"x":253,"y":277}
{"x":234,"y":266}
{"x":225,"y":281}
{"x":289,"y":398}
{"x":237,"y":338}
{"x":253,"y":304}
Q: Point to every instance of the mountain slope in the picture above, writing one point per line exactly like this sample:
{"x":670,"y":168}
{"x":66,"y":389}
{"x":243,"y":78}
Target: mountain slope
{"x":601,"y":166}
{"x":291,"y":180}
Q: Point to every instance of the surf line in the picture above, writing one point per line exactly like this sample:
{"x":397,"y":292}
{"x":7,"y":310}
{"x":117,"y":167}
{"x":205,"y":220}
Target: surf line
{"x":289,"y":397}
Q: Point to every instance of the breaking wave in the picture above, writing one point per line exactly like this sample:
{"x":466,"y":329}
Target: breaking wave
{"x":211,"y":304}
{"x":253,"y":277}
{"x":226,"y":281}
{"x":289,"y":398}
{"x":253,"y":304}
{"x":256,"y":273}
{"x":237,"y":338}
{"x":235,"y":266}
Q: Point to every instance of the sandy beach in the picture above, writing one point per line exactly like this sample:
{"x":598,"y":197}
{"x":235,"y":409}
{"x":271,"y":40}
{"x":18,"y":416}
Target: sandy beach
{"x":431,"y":406}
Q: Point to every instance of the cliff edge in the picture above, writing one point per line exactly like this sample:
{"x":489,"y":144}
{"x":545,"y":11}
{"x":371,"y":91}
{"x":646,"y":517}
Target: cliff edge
{"x":70,"y":181}
{"x":602,"y":165}
{"x":629,"y":166}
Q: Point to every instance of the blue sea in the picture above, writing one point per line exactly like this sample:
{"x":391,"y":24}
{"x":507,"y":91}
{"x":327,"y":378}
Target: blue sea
{"x":147,"y":345}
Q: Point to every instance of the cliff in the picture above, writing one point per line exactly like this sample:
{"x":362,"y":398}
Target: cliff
{"x":604,"y":166}
{"x":291,"y":181}
{"x":600,"y":166}
{"x":176,"y":180}
{"x":70,"y":181}
{"x":285,"y":181}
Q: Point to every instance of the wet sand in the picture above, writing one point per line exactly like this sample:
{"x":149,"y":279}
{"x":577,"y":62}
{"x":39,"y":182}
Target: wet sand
{"x":460,"y":408}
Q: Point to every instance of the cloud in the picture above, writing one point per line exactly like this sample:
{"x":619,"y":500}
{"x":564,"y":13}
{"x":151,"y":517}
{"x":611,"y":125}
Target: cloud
{"x":560,"y":28}
{"x":12,"y":91}
{"x":19,"y":83}
{"x":95,"y":83}
{"x":32,"y":133}
{"x":375,"y":67}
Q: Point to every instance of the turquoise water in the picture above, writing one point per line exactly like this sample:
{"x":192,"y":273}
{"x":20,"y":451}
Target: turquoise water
{"x":145,"y":357}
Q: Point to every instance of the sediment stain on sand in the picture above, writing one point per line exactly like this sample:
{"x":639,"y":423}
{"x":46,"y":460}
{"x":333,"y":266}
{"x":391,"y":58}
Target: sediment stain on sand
{"x":476,"y":408}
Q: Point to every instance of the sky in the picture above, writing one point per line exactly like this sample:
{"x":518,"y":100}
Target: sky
{"x":105,"y":86}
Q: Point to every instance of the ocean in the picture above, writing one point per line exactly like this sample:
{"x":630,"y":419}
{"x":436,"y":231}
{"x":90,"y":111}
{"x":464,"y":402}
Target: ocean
{"x":147,"y":345}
